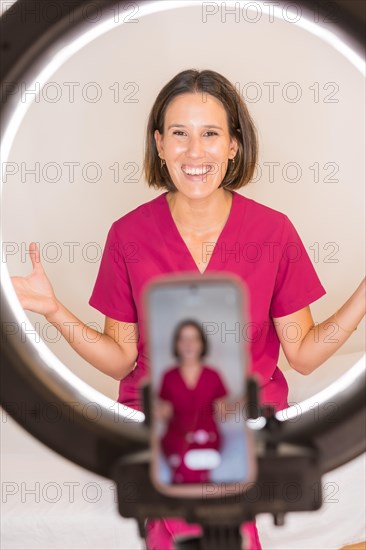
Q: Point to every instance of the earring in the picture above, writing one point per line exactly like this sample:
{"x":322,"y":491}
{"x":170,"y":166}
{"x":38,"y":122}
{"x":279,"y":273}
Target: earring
{"x":162,"y":161}
{"x":233,"y":160}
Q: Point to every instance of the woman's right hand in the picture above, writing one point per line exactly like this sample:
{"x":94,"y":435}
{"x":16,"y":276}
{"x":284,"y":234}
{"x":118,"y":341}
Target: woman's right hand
{"x":35,"y":291}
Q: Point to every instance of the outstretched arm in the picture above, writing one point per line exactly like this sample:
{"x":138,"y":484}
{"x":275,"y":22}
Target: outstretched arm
{"x":308,"y":345}
{"x":113,"y":352}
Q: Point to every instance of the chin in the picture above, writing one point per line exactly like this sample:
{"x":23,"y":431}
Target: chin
{"x":199,"y":189}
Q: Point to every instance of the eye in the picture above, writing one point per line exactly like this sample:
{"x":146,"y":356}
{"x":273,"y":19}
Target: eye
{"x":212,"y":132}
{"x":178,"y":132}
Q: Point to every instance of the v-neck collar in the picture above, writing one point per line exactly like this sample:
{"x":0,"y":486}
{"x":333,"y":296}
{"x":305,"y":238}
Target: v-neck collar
{"x":197,"y":381}
{"x":174,"y":240}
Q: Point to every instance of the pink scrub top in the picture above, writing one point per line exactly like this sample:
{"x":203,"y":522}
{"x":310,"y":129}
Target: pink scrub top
{"x":193,"y":424}
{"x":193,"y":408}
{"x":258,"y":243}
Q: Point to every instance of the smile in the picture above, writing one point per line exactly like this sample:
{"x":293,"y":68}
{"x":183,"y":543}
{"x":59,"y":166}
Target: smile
{"x":195,"y":170}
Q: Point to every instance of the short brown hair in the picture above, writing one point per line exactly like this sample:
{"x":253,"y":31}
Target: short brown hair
{"x":198,"y":327}
{"x":240,"y":123}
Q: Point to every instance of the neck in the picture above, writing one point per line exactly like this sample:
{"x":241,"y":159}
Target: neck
{"x":201,"y":213}
{"x":190,"y":364}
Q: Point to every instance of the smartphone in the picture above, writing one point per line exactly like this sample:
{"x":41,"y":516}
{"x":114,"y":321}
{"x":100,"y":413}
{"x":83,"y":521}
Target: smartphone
{"x":198,"y":359}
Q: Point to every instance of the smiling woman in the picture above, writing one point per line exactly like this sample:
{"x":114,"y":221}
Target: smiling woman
{"x":207,"y":145}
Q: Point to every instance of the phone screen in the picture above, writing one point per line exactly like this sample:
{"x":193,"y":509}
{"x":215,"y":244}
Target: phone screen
{"x":198,"y":362}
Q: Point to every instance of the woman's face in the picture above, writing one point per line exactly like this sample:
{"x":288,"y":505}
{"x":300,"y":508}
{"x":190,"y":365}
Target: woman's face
{"x":196,"y":144}
{"x":189,"y":343}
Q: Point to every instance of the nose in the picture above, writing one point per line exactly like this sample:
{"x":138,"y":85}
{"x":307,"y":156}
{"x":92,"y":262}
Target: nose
{"x":195,"y":147}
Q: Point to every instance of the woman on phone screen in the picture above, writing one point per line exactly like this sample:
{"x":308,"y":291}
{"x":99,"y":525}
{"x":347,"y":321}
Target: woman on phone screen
{"x":190,"y":396}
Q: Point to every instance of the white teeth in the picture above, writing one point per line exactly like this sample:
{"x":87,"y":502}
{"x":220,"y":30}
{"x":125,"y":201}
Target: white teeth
{"x":196,"y":171}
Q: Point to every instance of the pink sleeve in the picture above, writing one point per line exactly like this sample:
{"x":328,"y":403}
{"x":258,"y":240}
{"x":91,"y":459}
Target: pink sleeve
{"x":297,"y":283}
{"x":112,"y":293}
{"x":164,"y":392}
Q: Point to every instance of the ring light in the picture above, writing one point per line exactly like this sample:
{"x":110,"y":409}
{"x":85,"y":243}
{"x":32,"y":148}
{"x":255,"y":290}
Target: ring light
{"x":30,"y":373}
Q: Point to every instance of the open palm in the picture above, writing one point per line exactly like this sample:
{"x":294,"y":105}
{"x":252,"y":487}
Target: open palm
{"x":35,"y":291}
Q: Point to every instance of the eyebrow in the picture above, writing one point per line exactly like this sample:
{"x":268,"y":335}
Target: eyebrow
{"x":203,"y":126}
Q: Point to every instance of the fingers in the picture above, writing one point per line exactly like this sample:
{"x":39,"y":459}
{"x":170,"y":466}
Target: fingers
{"x":35,"y":256}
